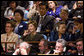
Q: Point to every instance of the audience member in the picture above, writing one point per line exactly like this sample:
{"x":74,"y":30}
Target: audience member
{"x":9,"y":36}
{"x":60,"y":33}
{"x":42,"y":21}
{"x":30,"y":34}
{"x":44,"y":47}
{"x":79,"y":45}
{"x":45,"y":22}
{"x":24,"y":49}
{"x":54,"y":9}
{"x":71,"y":48}
{"x":9,"y":12}
{"x":77,"y":11}
{"x":20,"y":24}
{"x":60,"y":47}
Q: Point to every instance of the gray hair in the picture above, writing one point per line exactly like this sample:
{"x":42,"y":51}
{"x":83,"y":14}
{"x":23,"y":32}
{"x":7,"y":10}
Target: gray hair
{"x":24,"y":44}
{"x":62,"y":41}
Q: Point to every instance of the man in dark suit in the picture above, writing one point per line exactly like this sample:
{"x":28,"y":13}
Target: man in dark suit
{"x":44,"y":47}
{"x":45,"y":22}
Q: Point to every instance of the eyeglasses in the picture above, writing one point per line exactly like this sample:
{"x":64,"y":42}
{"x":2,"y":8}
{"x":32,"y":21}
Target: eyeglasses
{"x":8,"y":26}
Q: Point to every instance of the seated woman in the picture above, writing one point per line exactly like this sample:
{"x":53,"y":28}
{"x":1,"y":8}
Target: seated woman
{"x":21,"y":25}
{"x":31,"y":34}
{"x":53,"y":9}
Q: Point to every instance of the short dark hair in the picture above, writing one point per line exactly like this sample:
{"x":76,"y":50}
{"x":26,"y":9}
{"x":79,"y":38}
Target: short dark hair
{"x":12,"y":23}
{"x":46,"y":42}
{"x":79,"y":39}
{"x":9,"y":2}
{"x":59,"y":23}
{"x":43,"y":3}
{"x":19,"y":11}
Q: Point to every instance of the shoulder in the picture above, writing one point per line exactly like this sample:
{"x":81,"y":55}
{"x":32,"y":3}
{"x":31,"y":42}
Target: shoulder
{"x":60,"y":6}
{"x":7,"y":8}
{"x":39,"y":35}
{"x":15,"y":34}
{"x":3,"y":35}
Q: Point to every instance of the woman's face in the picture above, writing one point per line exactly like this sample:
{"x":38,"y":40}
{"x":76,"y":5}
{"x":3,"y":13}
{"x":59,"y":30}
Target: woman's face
{"x":18,"y":16}
{"x":31,"y":28}
{"x":51,"y":4}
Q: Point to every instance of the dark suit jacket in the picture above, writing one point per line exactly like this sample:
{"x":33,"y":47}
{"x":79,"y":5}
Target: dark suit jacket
{"x":47,"y":22}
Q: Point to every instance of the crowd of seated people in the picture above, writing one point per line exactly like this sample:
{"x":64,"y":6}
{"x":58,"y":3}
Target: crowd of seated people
{"x":43,"y":21}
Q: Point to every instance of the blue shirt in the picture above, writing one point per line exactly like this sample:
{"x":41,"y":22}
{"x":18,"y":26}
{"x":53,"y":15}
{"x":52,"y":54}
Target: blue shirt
{"x":19,"y":29}
{"x":57,"y":12}
{"x":54,"y":36}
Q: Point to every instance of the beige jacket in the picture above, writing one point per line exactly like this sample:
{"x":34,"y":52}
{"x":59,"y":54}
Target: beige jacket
{"x":12,"y":38}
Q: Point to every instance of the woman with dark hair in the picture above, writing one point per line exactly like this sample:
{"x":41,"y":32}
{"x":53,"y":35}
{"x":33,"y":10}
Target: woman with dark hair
{"x":20,"y":24}
{"x":53,"y":9}
{"x":30,"y":34}
{"x":9,"y":12}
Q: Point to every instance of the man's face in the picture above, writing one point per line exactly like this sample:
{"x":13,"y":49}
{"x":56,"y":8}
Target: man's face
{"x":42,"y":10}
{"x":8,"y":28}
{"x":59,"y":47}
{"x":79,"y":46}
{"x":62,"y":28}
{"x":41,"y":46}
